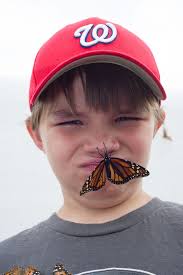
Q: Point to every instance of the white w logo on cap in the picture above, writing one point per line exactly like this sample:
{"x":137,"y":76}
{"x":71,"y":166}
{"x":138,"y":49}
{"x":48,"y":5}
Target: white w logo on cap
{"x":103,"y":38}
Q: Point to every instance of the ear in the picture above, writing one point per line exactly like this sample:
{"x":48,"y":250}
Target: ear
{"x":159,"y":123}
{"x":35,"y":135}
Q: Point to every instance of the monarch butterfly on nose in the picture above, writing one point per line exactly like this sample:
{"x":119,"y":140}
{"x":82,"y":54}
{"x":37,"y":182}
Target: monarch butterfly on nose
{"x":116,"y":170}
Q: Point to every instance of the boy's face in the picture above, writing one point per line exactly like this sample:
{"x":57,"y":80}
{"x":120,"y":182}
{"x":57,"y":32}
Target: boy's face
{"x":70,"y":142}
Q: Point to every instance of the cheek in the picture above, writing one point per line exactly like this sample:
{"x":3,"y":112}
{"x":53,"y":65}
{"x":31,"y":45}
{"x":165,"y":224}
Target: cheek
{"x":140,"y":145}
{"x":146,"y":149}
{"x":57,"y":153}
{"x":59,"y":150}
{"x":62,"y":154}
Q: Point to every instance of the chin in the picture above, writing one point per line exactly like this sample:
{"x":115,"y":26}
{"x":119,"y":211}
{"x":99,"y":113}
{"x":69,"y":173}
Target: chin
{"x":112,"y":192}
{"x":109,"y":190}
{"x":102,"y":200}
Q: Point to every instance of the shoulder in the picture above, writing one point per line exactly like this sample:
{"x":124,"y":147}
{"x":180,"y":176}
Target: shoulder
{"x":172,"y":209}
{"x":17,"y":246}
{"x":26,"y":237}
{"x":171,"y":215}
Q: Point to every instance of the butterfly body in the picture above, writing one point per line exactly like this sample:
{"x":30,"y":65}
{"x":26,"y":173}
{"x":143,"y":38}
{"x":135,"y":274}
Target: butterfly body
{"x":116,"y":170}
{"x":107,"y":162}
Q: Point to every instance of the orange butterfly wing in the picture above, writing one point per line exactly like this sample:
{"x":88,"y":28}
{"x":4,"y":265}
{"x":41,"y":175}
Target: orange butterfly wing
{"x":122,"y":171}
{"x":96,"y":180}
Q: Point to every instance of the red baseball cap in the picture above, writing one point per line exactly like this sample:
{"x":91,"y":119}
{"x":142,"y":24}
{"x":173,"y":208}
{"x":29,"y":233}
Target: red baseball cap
{"x":90,"y":41}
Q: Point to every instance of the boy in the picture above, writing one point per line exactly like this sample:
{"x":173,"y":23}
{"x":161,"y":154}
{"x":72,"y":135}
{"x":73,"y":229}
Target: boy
{"x":95,"y":90}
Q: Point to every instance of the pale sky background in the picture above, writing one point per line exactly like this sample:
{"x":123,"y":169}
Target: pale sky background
{"x":29,"y":191}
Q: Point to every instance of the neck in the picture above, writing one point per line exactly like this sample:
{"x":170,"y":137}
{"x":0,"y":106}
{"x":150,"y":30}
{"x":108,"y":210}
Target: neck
{"x":75,"y":212}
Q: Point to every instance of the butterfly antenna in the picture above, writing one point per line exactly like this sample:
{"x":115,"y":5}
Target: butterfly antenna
{"x":106,"y":153}
{"x":105,"y":148}
{"x":99,"y":152}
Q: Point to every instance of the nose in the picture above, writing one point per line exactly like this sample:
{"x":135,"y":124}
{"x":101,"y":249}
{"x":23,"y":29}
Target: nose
{"x":108,"y":146}
{"x":100,"y":142}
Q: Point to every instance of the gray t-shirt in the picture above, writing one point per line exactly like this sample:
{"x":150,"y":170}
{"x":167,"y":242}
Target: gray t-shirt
{"x":148,"y":240}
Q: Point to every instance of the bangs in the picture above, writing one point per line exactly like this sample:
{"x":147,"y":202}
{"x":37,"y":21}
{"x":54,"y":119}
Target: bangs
{"x":108,"y":86}
{"x":105,"y":86}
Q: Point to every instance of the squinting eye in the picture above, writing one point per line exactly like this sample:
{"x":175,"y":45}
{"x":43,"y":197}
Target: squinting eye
{"x":127,"y":118}
{"x":74,"y":122}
